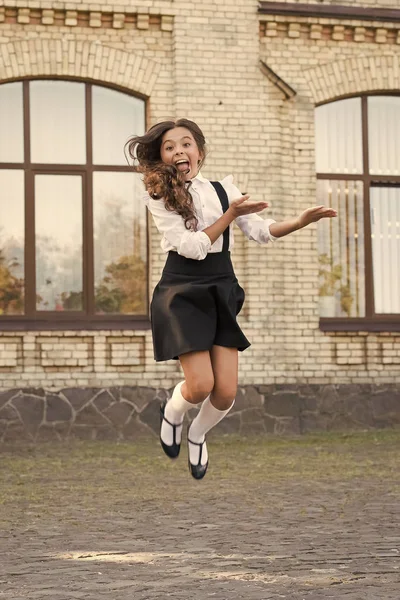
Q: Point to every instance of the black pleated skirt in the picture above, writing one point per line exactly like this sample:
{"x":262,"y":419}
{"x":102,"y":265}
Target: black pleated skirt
{"x":195,"y":305}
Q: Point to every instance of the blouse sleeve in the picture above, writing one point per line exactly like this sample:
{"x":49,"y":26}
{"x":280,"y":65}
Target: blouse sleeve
{"x":253,"y":226}
{"x":191,"y":244}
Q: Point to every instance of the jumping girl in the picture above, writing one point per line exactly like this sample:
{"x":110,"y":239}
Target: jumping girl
{"x":197,"y":300}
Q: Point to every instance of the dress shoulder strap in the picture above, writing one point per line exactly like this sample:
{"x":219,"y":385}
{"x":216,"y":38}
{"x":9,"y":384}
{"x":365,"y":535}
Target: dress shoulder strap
{"x":223,"y":198}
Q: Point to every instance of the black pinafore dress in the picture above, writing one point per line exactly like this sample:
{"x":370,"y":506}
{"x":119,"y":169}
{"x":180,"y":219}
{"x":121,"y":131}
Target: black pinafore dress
{"x":196,"y":302}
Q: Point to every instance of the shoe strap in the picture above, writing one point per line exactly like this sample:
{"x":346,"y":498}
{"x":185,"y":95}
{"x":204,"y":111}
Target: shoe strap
{"x":196,"y":443}
{"x":172,"y":424}
{"x":201,"y":444}
{"x":174,"y":427}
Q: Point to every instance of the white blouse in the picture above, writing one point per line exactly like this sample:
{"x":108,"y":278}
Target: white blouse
{"x":197,"y":244}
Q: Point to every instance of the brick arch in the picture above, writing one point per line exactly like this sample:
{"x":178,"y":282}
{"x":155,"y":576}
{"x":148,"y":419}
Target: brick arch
{"x":34,"y":58}
{"x":354,"y":76}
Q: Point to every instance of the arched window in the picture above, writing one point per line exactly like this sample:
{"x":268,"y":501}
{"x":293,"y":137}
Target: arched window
{"x":358,"y":171}
{"x":73,"y":235}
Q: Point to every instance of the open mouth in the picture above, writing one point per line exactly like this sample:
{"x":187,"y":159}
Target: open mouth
{"x":183,"y":166}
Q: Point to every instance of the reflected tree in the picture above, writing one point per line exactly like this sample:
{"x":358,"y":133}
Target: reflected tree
{"x":57,"y":269}
{"x":118,"y":232}
{"x":123,"y":288}
{"x":120,"y":265}
{"x":72,"y":300}
{"x":11,"y":287}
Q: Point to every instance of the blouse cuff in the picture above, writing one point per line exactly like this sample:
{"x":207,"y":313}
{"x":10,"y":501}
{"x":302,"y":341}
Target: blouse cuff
{"x":260,"y":232}
{"x":271,"y":237}
{"x":195,"y":245}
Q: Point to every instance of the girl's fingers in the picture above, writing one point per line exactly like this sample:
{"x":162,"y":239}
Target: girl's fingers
{"x":241,"y":200}
{"x":243,"y":207}
{"x":318,"y":212}
{"x":323,"y":213}
{"x":320,"y":209}
{"x":327,"y":212}
{"x":257,"y":206}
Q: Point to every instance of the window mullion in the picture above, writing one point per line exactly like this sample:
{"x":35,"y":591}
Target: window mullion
{"x":29,"y":259}
{"x":369,"y":280}
{"x":30,"y":271}
{"x":88,"y":244}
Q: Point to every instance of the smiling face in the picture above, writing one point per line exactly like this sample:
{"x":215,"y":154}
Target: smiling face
{"x":179,"y":148}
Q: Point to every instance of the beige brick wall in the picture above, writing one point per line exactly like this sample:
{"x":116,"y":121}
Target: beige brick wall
{"x":204,"y":64}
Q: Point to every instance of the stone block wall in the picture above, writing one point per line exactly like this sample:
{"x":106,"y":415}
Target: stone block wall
{"x":129,"y":413}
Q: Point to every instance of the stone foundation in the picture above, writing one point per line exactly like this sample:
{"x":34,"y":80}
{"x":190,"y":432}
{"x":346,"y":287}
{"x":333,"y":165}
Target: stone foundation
{"x":128,"y":413}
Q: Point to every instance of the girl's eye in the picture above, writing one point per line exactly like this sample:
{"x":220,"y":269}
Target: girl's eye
{"x":187,"y":144}
{"x":168,"y":148}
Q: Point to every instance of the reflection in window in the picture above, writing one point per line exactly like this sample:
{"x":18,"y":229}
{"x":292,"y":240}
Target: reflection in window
{"x":385,"y":227}
{"x":120,"y":247}
{"x":11,"y":123}
{"x":338,"y":137}
{"x":58,"y":220}
{"x":11,"y":242}
{"x":116,"y":117}
{"x":341,"y":250}
{"x":57,"y":111}
{"x":67,"y":178}
{"x":384,"y":135}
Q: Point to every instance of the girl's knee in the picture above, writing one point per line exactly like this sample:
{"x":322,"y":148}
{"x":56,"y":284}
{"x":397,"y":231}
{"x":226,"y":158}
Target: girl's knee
{"x":223,"y":398}
{"x":199,"y":389}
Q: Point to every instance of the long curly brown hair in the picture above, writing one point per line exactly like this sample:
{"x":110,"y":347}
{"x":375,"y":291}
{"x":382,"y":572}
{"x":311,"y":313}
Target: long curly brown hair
{"x":163,"y":180}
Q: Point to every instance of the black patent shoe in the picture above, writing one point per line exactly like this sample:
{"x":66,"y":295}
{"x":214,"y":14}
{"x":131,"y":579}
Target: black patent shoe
{"x":198,"y":471}
{"x":171,"y":451}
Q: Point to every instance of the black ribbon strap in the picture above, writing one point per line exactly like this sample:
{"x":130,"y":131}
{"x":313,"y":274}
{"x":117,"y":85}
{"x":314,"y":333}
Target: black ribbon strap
{"x":223,"y":198}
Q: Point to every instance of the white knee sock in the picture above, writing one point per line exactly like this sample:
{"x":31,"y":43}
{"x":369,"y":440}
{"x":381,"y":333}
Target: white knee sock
{"x":175,"y":410}
{"x":207,"y":418}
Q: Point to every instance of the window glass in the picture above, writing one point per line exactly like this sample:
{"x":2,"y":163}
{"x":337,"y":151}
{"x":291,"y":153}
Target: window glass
{"x":384,"y":135}
{"x":57,"y":112}
{"x":385,"y":233}
{"x":120,"y":243}
{"x":11,"y":242}
{"x":116,"y":117}
{"x":338,"y":137}
{"x":341,"y":250}
{"x":58,"y":224}
{"x":53,"y":116}
{"x":11,"y":123}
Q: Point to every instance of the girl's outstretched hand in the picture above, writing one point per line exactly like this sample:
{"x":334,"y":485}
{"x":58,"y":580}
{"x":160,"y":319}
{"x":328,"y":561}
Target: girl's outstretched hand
{"x":311,"y":215}
{"x":242,"y":206}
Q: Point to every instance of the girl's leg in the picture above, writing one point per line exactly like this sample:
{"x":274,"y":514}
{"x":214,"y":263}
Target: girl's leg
{"x":199,"y":376}
{"x":199,"y":381}
{"x":225,"y":368}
